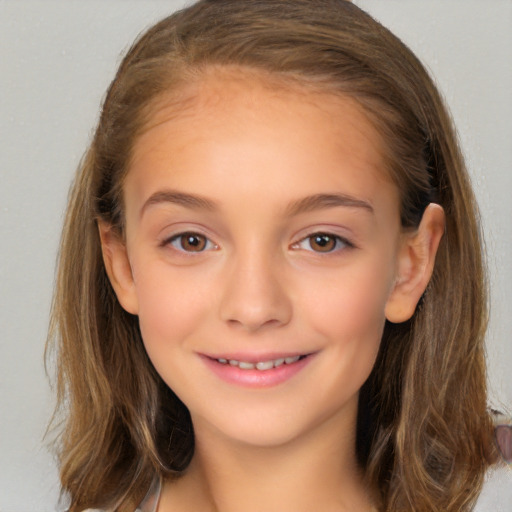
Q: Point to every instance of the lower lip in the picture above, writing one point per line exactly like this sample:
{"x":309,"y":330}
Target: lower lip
{"x":256,"y":378}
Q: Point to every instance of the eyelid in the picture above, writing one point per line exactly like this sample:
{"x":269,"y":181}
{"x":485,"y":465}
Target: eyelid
{"x":175,"y":237}
{"x":341,"y":242}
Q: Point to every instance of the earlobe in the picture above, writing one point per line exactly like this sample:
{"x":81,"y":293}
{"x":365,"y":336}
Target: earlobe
{"x":118,"y":268}
{"x":415,"y":265}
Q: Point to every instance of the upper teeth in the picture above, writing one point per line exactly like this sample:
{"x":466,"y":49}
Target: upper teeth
{"x":260,"y":365}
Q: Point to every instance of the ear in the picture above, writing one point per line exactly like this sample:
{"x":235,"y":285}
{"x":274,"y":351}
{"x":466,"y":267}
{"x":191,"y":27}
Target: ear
{"x":415,"y":265}
{"x":117,"y":265}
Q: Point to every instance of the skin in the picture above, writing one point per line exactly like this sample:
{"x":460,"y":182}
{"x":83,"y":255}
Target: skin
{"x":256,"y":283}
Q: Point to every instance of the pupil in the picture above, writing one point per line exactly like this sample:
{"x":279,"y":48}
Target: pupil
{"x":322,"y":240}
{"x":193,"y":242}
{"x":323,"y":243}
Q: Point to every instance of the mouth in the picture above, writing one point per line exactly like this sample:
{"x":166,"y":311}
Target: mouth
{"x":262,"y":366}
{"x":257,"y":371}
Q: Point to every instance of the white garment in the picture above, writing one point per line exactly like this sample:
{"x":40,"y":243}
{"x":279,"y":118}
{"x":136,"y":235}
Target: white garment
{"x":148,"y":504}
{"x":496,"y":495}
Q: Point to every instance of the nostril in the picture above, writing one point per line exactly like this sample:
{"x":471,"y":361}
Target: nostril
{"x":254,"y":295}
{"x":253,"y":324}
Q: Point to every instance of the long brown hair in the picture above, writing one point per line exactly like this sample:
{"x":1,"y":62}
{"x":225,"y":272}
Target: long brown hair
{"x":423,"y":427}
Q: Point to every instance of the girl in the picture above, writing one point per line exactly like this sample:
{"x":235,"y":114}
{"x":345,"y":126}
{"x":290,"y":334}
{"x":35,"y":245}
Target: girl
{"x":268,"y":312}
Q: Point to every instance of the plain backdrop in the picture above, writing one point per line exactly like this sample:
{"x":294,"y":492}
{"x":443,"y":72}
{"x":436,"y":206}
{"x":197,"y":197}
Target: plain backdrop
{"x":56,"y":60}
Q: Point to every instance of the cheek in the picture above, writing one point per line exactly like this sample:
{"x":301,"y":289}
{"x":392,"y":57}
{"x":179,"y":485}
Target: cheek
{"x":170,"y":305}
{"x":349,"y":311}
{"x":352,"y":302}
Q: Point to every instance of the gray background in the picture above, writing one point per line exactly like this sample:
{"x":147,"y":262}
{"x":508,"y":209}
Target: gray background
{"x":57,"y":58}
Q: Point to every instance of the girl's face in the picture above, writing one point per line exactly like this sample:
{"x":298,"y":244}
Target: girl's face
{"x":263,"y":247}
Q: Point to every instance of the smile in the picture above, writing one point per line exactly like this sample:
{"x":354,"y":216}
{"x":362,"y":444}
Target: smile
{"x":261,"y":371}
{"x":261,"y":365}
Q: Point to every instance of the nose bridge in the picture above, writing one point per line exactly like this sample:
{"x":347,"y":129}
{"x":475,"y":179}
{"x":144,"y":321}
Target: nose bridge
{"x":255,"y":292}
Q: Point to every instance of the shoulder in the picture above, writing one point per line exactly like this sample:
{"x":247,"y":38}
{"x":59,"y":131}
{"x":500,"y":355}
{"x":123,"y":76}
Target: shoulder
{"x":148,"y":504}
{"x":150,"y":501}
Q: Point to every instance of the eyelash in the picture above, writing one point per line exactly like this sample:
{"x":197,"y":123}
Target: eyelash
{"x":340,"y":243}
{"x":179,"y":238}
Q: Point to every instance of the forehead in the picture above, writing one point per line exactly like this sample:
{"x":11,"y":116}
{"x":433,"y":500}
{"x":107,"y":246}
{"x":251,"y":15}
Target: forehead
{"x":245,"y":95}
{"x":284,"y":132}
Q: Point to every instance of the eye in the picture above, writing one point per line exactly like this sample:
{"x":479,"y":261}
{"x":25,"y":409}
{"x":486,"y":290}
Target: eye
{"x":190,"y":242}
{"x":322,"y":242}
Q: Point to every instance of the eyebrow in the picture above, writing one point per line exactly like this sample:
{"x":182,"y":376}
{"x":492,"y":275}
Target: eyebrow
{"x":304,"y":205}
{"x":320,"y":201}
{"x":180,"y":198}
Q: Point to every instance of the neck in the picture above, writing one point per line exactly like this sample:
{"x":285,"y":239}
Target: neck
{"x":317,"y":471}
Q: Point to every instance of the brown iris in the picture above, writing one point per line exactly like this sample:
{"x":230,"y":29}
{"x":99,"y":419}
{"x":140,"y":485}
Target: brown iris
{"x":192,"y":242}
{"x":322,"y":242}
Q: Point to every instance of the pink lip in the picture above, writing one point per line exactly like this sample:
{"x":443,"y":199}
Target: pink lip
{"x":255,"y":378}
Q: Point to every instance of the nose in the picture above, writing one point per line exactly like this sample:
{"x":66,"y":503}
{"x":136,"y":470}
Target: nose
{"x":255,"y":294}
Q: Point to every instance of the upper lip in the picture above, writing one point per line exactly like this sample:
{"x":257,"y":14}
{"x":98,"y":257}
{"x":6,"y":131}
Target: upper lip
{"x":253,"y":357}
